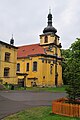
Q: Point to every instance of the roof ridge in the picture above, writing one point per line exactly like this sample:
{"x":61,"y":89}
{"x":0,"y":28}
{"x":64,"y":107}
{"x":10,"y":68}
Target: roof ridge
{"x":29,"y":45}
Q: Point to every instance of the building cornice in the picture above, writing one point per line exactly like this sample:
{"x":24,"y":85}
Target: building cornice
{"x":59,"y":46}
{"x":44,"y":55}
{"x":4,"y":43}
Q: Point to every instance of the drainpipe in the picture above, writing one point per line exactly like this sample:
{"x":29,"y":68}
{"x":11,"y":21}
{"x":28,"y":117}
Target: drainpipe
{"x":56,"y":73}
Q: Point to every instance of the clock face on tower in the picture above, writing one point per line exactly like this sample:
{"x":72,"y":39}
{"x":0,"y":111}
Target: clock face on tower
{"x":46,"y":39}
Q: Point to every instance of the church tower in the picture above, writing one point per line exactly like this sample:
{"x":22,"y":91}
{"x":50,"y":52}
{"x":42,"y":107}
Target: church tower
{"x":49,"y":35}
{"x":41,"y":64}
{"x":49,"y":40}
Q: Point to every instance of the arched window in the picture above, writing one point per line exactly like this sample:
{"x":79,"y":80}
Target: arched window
{"x":34,"y":66}
{"x":51,"y":67}
{"x":46,"y":39}
{"x":18,"y":67}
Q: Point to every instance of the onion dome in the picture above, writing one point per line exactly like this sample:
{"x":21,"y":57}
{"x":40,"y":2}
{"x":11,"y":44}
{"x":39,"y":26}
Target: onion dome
{"x":12,"y":40}
{"x":49,"y":27}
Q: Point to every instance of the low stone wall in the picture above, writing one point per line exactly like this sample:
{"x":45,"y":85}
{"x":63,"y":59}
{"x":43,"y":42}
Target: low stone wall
{"x":60,"y":107}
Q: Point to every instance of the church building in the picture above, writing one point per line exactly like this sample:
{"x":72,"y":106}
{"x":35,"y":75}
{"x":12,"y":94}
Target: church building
{"x":41,"y":64}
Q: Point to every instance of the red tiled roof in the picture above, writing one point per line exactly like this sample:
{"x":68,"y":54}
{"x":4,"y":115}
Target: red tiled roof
{"x":27,"y":50}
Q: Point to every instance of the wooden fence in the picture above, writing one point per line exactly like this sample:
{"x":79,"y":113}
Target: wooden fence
{"x":66,"y":109}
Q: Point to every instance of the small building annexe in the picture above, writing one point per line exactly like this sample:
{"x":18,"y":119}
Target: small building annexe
{"x":8,"y":61}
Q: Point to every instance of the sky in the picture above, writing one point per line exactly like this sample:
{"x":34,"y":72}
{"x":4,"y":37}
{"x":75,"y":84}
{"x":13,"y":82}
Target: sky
{"x":26,"y":19}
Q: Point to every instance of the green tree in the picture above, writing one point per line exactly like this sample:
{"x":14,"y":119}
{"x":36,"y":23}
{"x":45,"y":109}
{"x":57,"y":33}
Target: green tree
{"x":66,"y":54}
{"x":72,"y":71}
{"x":73,"y":88}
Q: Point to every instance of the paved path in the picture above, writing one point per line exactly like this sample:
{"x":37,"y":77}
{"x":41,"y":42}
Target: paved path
{"x":14,"y":101}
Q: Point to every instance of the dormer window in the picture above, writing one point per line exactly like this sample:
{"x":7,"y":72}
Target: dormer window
{"x":46,"y":39}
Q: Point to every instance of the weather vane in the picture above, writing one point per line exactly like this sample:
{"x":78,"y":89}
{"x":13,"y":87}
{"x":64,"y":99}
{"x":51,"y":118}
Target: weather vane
{"x":49,"y":10}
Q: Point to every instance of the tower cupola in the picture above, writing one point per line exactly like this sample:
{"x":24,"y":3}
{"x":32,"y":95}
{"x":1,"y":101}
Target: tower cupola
{"x":49,"y":27}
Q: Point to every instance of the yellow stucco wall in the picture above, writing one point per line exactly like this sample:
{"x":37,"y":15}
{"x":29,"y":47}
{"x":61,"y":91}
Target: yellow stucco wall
{"x":12,"y":79}
{"x":45,"y":78}
{"x":41,"y":70}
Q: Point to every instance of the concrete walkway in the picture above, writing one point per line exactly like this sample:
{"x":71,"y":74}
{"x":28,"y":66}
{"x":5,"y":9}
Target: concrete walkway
{"x":14,"y":101}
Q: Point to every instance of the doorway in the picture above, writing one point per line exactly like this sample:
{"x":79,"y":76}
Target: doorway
{"x":21,"y":82}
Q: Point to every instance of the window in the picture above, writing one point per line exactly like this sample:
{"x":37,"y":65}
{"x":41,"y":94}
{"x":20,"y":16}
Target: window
{"x":34,"y":66}
{"x":60,"y":63}
{"x":45,"y":61}
{"x":55,"y":41}
{"x":51,"y":69}
{"x":45,"y":39}
{"x":18,"y":67}
{"x":42,"y":60}
{"x":7,"y":57}
{"x":6,"y":72}
{"x":27,"y":67}
{"x":49,"y":61}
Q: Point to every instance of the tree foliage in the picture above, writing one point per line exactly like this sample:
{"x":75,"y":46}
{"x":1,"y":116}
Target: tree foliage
{"x":66,"y":54}
{"x":71,"y":69}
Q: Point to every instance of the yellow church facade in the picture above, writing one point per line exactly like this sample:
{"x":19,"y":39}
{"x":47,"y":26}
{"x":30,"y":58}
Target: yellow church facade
{"x":41,"y":64}
{"x":8,"y":61}
{"x":33,"y":65}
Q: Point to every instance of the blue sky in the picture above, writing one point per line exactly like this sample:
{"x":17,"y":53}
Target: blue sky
{"x":26,"y":19}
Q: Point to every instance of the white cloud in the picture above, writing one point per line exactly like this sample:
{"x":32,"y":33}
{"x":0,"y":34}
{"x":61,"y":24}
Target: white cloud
{"x":68,"y":22}
{"x":26,"y":19}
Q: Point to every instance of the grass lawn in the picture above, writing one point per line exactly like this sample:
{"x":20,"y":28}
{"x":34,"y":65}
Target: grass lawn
{"x":50,"y":89}
{"x":38,"y":113}
{"x":38,"y":89}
